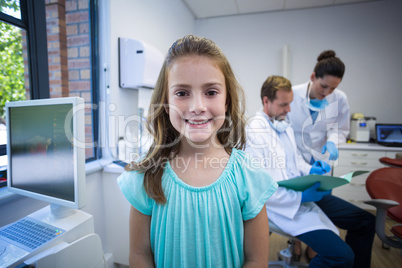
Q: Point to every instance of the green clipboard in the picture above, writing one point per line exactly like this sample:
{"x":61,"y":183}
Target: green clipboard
{"x":327,"y":182}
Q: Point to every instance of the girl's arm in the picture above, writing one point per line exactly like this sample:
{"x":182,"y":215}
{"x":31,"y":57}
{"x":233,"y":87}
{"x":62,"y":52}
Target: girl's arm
{"x":256,"y":240}
{"x":140,"y":244}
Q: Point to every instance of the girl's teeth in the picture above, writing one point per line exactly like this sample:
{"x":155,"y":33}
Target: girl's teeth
{"x":198,"y":123}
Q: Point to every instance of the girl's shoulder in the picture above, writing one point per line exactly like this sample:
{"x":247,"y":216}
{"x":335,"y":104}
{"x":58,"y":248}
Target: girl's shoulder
{"x":243,"y":161}
{"x":131,"y":184}
{"x":253,"y":183}
{"x":131,"y":177}
{"x":249,"y":169}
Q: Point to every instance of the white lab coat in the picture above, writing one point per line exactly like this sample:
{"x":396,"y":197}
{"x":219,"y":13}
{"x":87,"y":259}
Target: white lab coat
{"x":332,"y":123}
{"x":284,"y":208}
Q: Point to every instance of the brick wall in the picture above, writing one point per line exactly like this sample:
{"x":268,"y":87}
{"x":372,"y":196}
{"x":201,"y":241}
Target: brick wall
{"x":57,"y":48}
{"x":69,"y":53}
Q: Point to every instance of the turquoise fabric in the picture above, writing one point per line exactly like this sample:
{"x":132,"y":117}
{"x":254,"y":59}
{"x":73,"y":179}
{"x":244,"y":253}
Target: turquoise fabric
{"x":202,"y":226}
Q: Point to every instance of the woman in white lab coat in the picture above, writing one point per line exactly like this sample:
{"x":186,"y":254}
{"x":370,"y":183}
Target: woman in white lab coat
{"x":320,"y":111}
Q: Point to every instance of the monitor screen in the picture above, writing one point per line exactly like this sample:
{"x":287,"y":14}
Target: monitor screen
{"x":389,"y":134}
{"x":46,"y":154}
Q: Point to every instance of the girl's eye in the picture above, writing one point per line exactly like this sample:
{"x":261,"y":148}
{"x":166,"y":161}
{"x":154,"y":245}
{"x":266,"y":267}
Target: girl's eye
{"x":212,"y":92}
{"x":181,"y":93}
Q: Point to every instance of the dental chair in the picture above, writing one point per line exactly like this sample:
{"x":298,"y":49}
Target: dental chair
{"x":392,"y":162}
{"x":384,"y":186}
{"x":285,"y":256}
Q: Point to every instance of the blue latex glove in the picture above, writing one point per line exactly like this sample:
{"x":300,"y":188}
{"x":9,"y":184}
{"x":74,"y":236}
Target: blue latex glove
{"x":312,"y":195}
{"x":332,"y":150}
{"x":320,"y":167}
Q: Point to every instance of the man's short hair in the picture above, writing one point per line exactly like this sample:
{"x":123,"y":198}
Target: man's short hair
{"x":273,"y":84}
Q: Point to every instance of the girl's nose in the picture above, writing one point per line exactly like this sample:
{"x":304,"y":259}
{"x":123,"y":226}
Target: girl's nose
{"x":197,"y":105}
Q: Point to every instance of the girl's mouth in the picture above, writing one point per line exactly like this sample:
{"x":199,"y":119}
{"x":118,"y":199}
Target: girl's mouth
{"x":198,"y":122}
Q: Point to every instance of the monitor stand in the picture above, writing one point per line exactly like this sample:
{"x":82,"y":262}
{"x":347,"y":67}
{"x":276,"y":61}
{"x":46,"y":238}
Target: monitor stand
{"x":59,"y":212}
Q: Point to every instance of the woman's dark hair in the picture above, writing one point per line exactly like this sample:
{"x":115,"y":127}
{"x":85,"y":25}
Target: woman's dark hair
{"x":329,"y":64}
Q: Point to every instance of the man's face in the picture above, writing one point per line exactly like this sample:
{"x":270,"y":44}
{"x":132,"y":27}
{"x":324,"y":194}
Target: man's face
{"x":279,"y":108}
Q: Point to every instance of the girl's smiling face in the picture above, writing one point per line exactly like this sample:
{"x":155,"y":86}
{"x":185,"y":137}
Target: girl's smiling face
{"x":196,"y":98}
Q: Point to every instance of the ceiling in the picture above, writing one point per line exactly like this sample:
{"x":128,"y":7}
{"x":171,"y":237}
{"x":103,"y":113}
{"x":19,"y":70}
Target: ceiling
{"x":217,"y":8}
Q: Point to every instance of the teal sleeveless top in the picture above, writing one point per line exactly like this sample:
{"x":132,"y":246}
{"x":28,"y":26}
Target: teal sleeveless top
{"x":202,"y":226}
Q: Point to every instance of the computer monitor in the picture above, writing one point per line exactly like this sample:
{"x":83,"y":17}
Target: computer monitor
{"x":46,"y":154}
{"x":389,"y":134}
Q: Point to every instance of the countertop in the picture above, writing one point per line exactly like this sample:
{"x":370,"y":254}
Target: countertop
{"x":369,"y":146}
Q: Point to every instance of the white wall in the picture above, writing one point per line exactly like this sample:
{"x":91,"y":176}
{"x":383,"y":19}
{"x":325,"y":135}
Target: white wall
{"x":156,"y":22}
{"x":366,"y":36}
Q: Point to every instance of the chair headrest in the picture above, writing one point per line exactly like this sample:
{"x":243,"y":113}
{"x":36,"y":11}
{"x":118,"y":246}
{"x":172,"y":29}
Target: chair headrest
{"x":386,"y":183}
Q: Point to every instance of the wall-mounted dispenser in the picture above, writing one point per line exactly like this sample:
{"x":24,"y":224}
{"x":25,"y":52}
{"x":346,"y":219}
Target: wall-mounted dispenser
{"x":139,"y":64}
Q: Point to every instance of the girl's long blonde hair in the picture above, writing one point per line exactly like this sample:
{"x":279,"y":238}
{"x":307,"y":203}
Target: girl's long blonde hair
{"x":166,"y":143}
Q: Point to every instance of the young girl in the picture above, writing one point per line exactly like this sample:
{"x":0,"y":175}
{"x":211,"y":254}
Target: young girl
{"x":197,"y":200}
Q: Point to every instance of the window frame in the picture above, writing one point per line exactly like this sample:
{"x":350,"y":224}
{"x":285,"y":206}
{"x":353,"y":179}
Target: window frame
{"x":93,"y":20}
{"x":33,"y":21}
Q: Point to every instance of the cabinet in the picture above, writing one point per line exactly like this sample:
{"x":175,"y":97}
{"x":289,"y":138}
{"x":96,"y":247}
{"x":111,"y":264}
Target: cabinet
{"x":359,"y":156}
